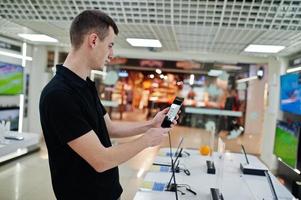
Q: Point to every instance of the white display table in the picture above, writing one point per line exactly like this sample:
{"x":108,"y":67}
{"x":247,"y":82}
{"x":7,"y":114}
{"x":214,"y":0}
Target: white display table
{"x":229,"y":179}
{"x":10,"y":149}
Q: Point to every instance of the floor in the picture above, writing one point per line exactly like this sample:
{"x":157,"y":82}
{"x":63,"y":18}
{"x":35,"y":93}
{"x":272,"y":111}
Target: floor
{"x":28,"y":177}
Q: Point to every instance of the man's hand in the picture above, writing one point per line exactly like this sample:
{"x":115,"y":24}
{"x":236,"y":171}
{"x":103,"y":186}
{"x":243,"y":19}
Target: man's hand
{"x":155,"y":136}
{"x":158,"y":119}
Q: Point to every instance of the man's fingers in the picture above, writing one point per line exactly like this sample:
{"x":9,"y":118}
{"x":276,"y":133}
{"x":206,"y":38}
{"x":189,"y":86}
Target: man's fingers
{"x":165,"y":110}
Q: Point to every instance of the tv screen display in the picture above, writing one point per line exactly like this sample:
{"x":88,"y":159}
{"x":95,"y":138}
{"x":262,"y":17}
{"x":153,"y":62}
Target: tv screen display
{"x":286,"y":143}
{"x":10,"y":114}
{"x":11,"y":79}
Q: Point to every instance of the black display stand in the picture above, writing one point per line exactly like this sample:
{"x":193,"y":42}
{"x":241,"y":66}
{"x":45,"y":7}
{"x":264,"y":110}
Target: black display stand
{"x":172,"y":186}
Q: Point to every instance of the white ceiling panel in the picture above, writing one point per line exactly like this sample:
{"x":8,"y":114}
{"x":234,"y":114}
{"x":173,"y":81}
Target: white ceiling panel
{"x":202,"y":26}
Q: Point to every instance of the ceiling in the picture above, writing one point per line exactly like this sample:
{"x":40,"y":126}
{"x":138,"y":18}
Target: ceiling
{"x":198,"y":26}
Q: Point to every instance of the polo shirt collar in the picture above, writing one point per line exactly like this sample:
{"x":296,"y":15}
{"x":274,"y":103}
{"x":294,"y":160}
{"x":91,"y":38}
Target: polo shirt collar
{"x":72,"y":77}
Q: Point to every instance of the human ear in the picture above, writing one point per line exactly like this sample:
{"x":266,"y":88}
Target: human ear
{"x":92,"y":40}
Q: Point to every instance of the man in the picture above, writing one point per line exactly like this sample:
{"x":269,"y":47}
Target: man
{"x":76,"y":127}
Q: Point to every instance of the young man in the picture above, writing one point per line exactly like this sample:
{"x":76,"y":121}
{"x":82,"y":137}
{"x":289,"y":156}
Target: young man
{"x":76,"y":127}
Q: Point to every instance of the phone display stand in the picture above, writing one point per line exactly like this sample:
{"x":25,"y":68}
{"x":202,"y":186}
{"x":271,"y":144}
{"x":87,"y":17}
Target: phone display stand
{"x":249,"y":168}
{"x":210,"y":127}
{"x":216,"y":192}
{"x":220,"y":165}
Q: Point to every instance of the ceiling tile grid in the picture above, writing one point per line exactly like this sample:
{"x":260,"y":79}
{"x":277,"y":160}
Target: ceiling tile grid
{"x":10,"y":28}
{"x":181,"y":25}
{"x":265,"y":14}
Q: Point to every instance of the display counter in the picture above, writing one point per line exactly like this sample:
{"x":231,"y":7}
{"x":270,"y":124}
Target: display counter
{"x":211,"y":111}
{"x":10,"y":149}
{"x":228,"y":178}
{"x":198,"y":116}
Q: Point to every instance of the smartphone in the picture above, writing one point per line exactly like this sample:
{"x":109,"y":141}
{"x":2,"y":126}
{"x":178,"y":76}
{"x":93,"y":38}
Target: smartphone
{"x":172,"y":112}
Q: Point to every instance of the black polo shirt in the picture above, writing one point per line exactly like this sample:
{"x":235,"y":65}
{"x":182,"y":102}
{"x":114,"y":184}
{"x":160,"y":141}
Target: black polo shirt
{"x":69,"y":108}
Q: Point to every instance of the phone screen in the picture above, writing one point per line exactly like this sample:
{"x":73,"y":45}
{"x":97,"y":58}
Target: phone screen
{"x":172,"y":112}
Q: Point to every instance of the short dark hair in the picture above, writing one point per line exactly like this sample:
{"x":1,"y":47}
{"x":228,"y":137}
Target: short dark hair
{"x":88,"y":21}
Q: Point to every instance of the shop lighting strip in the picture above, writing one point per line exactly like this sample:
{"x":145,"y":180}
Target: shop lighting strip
{"x":246,"y":79}
{"x":295,"y":69}
{"x":15,"y":55}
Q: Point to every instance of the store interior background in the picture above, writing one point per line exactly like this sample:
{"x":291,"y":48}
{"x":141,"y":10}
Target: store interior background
{"x":196,"y":37}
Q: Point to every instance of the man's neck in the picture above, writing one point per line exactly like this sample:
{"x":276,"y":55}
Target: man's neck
{"x":78,"y":63}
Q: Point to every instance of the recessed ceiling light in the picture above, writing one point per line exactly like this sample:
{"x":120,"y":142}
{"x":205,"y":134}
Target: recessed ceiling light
{"x":38,"y":37}
{"x":264,"y":48}
{"x":136,"y":42}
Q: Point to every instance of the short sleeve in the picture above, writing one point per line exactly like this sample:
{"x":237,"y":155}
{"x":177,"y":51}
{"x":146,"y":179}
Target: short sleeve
{"x":103,"y":109}
{"x":66,"y":116}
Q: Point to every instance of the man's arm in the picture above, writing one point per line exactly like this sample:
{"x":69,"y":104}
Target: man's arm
{"x":101,"y":159}
{"x":124,"y":129}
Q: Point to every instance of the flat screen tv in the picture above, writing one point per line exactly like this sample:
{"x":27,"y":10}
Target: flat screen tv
{"x":10,"y":114}
{"x":11,"y":79}
{"x":286,"y":143}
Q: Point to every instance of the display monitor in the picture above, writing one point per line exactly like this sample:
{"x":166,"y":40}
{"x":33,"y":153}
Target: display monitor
{"x":11,"y":79}
{"x":286,"y":143}
{"x":10,"y":114}
{"x":290,"y":93}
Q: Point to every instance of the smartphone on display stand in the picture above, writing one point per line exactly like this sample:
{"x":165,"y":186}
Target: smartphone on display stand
{"x":172,"y":112}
